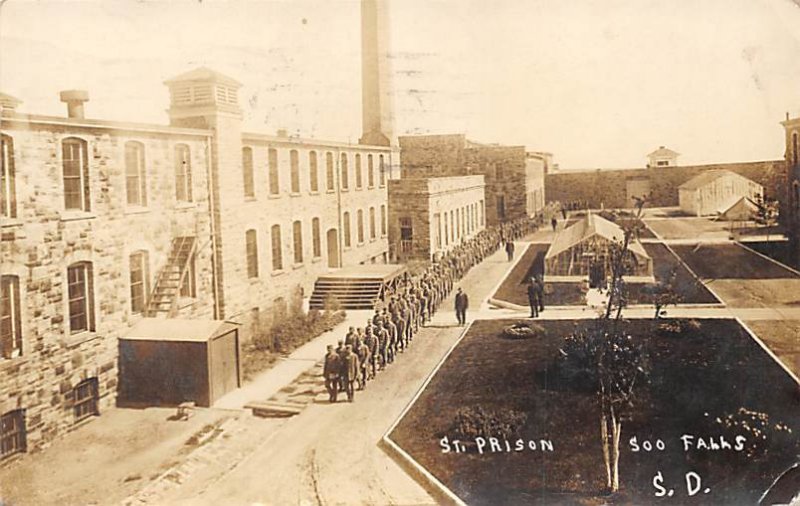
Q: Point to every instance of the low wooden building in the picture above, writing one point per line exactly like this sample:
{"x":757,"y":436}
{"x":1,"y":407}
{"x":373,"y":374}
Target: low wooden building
{"x":715,"y":190}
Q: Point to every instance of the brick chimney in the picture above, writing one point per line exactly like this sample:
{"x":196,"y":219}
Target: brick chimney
{"x":75,"y":100}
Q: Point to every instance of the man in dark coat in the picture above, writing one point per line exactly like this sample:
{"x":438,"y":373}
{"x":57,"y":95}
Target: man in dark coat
{"x":539,"y":284}
{"x":350,"y":372}
{"x":330,"y":372}
{"x":533,"y":298}
{"x":462,"y":304}
{"x":510,"y":250}
{"x":554,"y":223}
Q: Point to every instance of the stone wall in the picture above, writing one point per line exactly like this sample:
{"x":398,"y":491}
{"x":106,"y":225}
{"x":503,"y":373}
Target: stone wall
{"x":44,"y":240}
{"x":609,"y":187}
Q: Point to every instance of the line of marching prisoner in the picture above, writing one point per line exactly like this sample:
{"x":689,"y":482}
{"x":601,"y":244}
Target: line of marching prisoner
{"x":407,"y":303}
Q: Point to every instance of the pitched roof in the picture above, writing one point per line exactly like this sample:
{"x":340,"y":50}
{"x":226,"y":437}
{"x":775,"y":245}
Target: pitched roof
{"x":8,"y":101}
{"x":664,"y":151}
{"x":590,"y":226}
{"x":706,"y":177}
{"x":204,"y":74}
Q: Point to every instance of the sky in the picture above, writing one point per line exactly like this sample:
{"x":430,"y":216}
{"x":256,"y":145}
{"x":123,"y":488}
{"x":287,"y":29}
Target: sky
{"x":598,"y":83}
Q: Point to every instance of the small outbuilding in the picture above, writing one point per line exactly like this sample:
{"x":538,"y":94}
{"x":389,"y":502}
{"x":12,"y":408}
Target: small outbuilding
{"x":165,"y":362}
{"x":738,"y":209}
{"x":583,"y":249}
{"x":714,"y":190}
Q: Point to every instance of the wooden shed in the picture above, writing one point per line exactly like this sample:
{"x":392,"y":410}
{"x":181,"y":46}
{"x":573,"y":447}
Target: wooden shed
{"x":708,"y":192}
{"x":170,"y":361}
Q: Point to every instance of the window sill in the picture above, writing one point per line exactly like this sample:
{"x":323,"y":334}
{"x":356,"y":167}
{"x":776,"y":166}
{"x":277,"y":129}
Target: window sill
{"x":137,"y":210}
{"x":331,"y":190}
{"x":277,"y":273}
{"x":73,"y":340}
{"x":10,"y":222}
{"x":360,"y":244}
{"x":9,"y":363}
{"x":182,"y":206}
{"x":250,"y":198}
{"x":253,"y":280}
{"x":345,"y":189}
{"x":77,"y":215}
{"x":296,"y":266}
{"x":316,"y":260}
{"x":313,"y":192}
{"x":295,"y":194}
{"x":358,"y":188}
{"x":371,"y":187}
{"x":274,"y":196}
{"x":347,"y":248}
{"x":373,"y":240}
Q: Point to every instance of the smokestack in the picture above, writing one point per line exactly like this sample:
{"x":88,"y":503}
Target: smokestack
{"x":376,"y":109}
{"x":74,"y":100}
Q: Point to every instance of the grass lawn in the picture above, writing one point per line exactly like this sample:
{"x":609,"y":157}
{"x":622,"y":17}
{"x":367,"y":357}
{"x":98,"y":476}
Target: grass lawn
{"x":782,"y":337}
{"x":707,"y":373}
{"x":689,"y":228}
{"x":729,"y":261}
{"x":514,"y":288}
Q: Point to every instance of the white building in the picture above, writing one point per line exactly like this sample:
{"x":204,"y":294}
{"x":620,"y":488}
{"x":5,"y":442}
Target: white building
{"x":715,"y":191}
{"x":663,"y":157}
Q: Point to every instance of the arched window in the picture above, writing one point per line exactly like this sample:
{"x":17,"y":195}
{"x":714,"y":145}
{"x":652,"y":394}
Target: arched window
{"x":139,"y":281}
{"x":251,"y":252}
{"x":80,"y":295}
{"x":313,"y":175}
{"x":274,"y":179}
{"x":10,"y":317}
{"x":360,"y":225}
{"x":358,"y":171}
{"x":346,"y":226}
{"x":316,"y":239}
{"x":75,"y":162}
{"x":297,"y":237}
{"x":277,"y":250}
{"x":370,"y":171}
{"x":294,"y":164}
{"x":135,"y":174}
{"x":372,"y":223}
{"x":247,"y":172}
{"x":330,"y":177}
{"x":383,"y":220}
{"x":345,"y":183}
{"x":8,"y":196}
{"x":183,"y":173}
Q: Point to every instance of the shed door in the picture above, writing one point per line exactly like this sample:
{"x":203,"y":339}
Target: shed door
{"x":224,"y":365}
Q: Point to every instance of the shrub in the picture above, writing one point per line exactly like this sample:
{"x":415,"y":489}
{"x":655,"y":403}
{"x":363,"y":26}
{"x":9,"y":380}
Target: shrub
{"x":470,"y":423}
{"x":675,"y":328}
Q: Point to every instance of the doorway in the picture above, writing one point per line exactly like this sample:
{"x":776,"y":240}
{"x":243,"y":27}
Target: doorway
{"x":333,"y":249}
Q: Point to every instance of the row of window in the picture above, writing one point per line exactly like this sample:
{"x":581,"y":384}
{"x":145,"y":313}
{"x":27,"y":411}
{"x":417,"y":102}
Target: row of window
{"x":251,"y":239}
{"x":13,"y":430}
{"x":458,"y":223}
{"x":274,"y":179}
{"x":76,"y":175}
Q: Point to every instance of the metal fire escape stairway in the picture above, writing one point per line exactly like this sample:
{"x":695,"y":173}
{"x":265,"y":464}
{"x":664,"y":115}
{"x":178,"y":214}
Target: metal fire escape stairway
{"x":163,"y":300}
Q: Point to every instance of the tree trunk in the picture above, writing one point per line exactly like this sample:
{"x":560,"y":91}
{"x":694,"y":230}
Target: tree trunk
{"x":616,"y":431}
{"x":606,"y":449}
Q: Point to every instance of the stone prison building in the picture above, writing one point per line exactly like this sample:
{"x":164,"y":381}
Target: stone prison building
{"x":104,"y":223}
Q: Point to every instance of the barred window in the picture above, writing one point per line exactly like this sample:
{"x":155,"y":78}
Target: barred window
{"x":75,"y":161}
{"x":360,"y":225}
{"x":277,"y":253}
{"x":251,"y":240}
{"x":13,"y":434}
{"x":8,"y":197}
{"x":345,"y":183}
{"x":86,"y":397}
{"x":346,"y":225}
{"x":135,"y":174}
{"x":274,"y":178}
{"x":330,"y":177}
{"x":370,"y":171}
{"x":358,"y":171}
{"x":313,"y":175}
{"x":81,"y":297}
{"x":382,"y":170}
{"x":140,"y":281}
{"x":297,"y":239}
{"x":372,"y":223}
{"x":10,"y":317}
{"x":294,"y":164}
{"x":316,"y":239}
{"x":247,"y":172}
{"x":183,"y":173}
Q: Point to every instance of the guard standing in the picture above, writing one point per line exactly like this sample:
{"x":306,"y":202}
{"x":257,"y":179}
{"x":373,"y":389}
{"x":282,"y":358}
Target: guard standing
{"x":331,"y":373}
{"x":462,"y":303}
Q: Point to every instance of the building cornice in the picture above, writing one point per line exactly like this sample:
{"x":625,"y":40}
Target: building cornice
{"x":35,"y":119}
